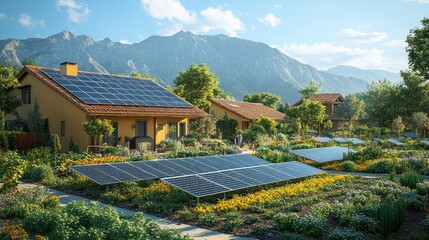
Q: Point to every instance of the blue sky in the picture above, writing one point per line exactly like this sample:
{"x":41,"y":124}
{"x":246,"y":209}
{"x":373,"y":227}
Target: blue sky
{"x":368,"y":34}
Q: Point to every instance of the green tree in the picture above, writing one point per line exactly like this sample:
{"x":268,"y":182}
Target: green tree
{"x":268,"y":99}
{"x":29,"y":62}
{"x":327,"y":125}
{"x":398,"y":125}
{"x":8,"y":102}
{"x":227,"y":127}
{"x":413,"y":95}
{"x":268,"y":123}
{"x":204,"y":127}
{"x":420,"y":121}
{"x":382,"y":102}
{"x":98,"y":128}
{"x":418,"y":49}
{"x":310,"y":113}
{"x":310,"y":90}
{"x":351,"y":109}
{"x":197,"y":85}
{"x":36,"y":124}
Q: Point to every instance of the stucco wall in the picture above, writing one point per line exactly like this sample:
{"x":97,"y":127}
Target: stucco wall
{"x":220,"y":113}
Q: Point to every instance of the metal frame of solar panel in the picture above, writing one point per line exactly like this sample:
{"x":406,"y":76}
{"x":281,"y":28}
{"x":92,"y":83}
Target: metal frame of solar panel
{"x":144,"y":170}
{"x":93,"y":88}
{"x":396,"y":142}
{"x":322,"y":155}
{"x":212,"y":183}
{"x":322,"y":139}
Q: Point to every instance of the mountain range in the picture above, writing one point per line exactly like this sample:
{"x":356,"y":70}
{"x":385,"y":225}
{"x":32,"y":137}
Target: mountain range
{"x":367,"y":75}
{"x":243,"y":66}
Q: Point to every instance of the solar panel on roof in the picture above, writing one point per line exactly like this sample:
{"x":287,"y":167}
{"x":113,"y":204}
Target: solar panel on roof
{"x":205,"y":184}
{"x":144,"y":170}
{"x":321,"y":155}
{"x":108,"y":89}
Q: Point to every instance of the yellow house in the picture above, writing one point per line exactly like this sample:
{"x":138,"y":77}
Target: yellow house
{"x":68,"y":97}
{"x":243,"y":112}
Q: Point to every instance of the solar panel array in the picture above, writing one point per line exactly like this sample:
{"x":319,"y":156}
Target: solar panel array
{"x":92,"y":88}
{"x":200,"y":185}
{"x":322,"y":155}
{"x":425,"y":142}
{"x":322,"y":139}
{"x":340,"y":140}
{"x":355,"y":140}
{"x":396,"y":142}
{"x":144,"y":170}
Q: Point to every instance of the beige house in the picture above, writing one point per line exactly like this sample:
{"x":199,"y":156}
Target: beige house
{"x":243,"y":112}
{"x":68,"y":97}
{"x":330,"y":101}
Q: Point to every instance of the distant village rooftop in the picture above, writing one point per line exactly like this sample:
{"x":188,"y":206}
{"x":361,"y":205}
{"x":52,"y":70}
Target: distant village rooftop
{"x":247,"y":110}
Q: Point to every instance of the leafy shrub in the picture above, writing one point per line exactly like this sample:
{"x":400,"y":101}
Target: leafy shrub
{"x":112,"y":151}
{"x":412,"y":200}
{"x":345,"y":234}
{"x":232,"y":220}
{"x":423,"y":188}
{"x":4,"y":142}
{"x":410,"y":179}
{"x":321,"y":210}
{"x":380,"y":166}
{"x":13,"y":230}
{"x":39,"y":173}
{"x":11,"y":170}
{"x":184,"y":214}
{"x":390,"y":216}
{"x":362,"y":222}
{"x":285,"y":221}
{"x":367,"y":154}
{"x":207,"y":219}
{"x":258,"y":229}
{"x":348,"y":166}
{"x":301,"y":146}
{"x":309,"y":226}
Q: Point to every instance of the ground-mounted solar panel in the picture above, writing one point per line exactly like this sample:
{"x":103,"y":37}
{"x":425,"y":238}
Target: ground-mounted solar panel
{"x":378,"y":140}
{"x":340,"y":140}
{"x":205,"y":184}
{"x":117,"y":90}
{"x":355,"y":140}
{"x":322,"y":139}
{"x":145,"y":170}
{"x":321,"y":155}
{"x":425,"y":142}
{"x":396,"y":142}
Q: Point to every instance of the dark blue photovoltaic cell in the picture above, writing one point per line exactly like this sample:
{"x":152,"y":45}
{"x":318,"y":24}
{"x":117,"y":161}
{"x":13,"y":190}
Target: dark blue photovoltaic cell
{"x":108,"y":89}
{"x":205,"y":184}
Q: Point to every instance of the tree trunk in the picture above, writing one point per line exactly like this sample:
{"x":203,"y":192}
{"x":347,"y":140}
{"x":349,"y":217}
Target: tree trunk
{"x":2,"y":121}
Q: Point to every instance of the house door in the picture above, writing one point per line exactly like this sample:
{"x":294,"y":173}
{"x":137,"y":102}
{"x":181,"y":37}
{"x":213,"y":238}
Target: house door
{"x":141,"y":127}
{"x":182,"y":129}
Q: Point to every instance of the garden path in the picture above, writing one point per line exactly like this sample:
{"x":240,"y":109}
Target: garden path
{"x":193,"y":231}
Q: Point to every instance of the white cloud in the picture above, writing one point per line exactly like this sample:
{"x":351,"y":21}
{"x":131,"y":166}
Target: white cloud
{"x":396,"y":43}
{"x":363,"y":37}
{"x":2,"y":16}
{"x":124,"y":41}
{"x":270,"y":19}
{"x":418,"y":1}
{"x":77,"y":12}
{"x":329,"y":54}
{"x":278,"y":6}
{"x":27,"y":21}
{"x":180,"y":18}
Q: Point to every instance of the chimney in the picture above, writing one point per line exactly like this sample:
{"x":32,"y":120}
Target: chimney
{"x":68,"y":68}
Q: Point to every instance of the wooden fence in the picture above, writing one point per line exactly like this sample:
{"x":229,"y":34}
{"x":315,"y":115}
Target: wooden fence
{"x":27,"y":141}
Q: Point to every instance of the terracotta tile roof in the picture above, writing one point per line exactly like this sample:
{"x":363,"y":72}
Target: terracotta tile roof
{"x":110,"y":110}
{"x":323,"y":98}
{"x":248,"y":110}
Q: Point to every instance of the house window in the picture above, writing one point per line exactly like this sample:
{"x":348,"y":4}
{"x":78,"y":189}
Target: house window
{"x":182,"y":129}
{"x":141,"y":128}
{"x":26,"y":95}
{"x":63,"y":129}
{"x":245,"y":125}
{"x":172,"y":130}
